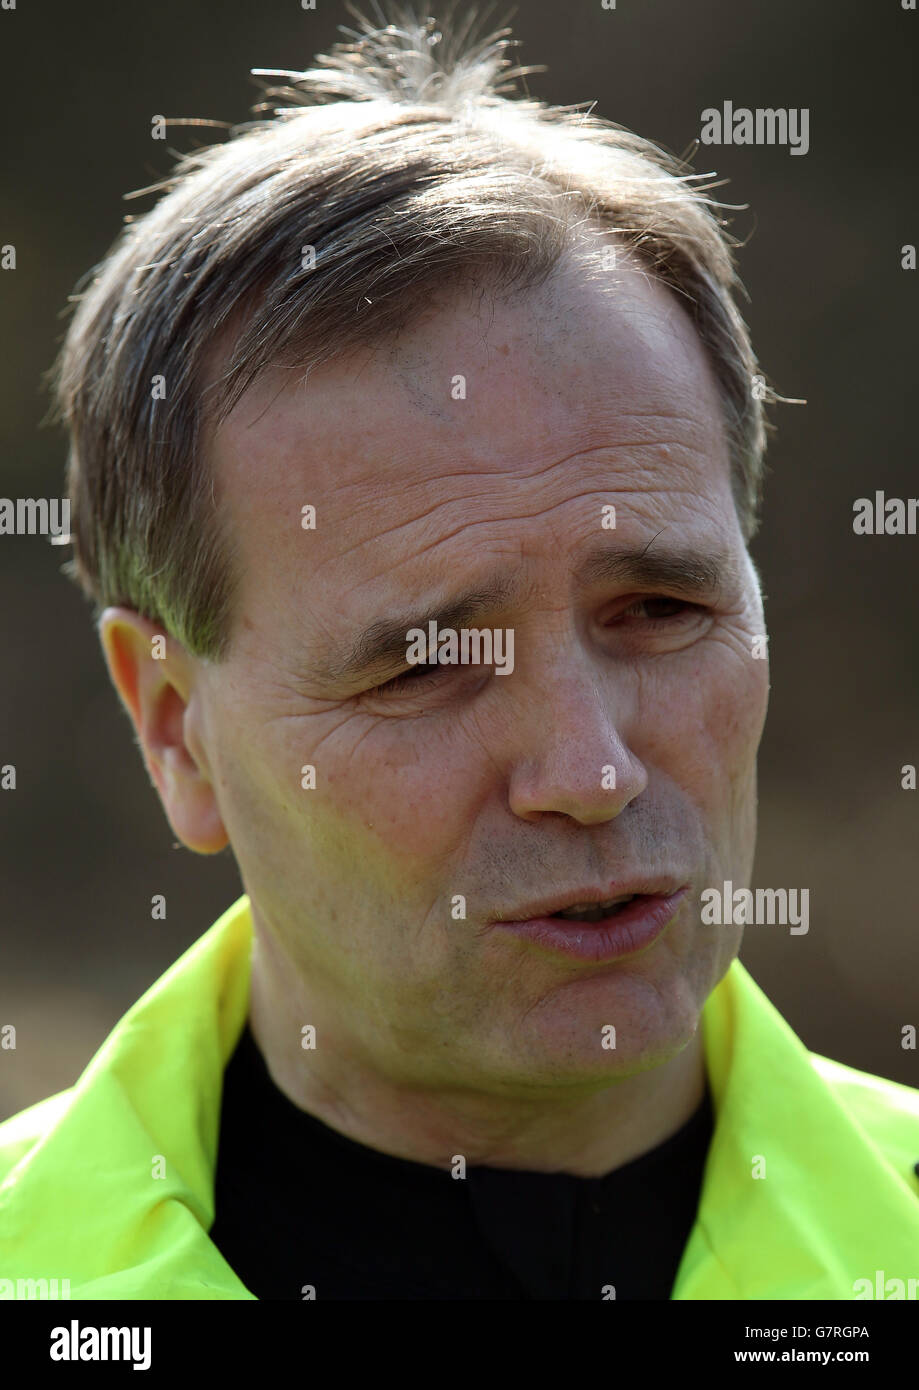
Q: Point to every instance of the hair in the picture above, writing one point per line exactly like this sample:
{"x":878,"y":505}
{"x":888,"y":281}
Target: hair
{"x":409,"y":159}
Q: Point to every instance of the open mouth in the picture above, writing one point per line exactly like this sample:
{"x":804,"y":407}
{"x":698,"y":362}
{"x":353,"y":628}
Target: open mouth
{"x":599,"y":932}
{"x":596,"y":912}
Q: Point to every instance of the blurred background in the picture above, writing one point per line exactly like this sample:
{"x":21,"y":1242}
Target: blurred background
{"x":84,"y":842}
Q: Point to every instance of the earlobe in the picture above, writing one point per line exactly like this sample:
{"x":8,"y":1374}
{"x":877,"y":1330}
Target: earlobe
{"x":154,"y":678}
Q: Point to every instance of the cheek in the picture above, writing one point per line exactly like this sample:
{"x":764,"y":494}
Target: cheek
{"x":701,"y":720}
{"x":381,"y":795}
{"x":413,"y":809}
{"x":732,"y":725}
{"x":735,"y":712}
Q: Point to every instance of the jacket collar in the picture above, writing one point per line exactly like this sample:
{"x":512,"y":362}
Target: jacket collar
{"x":150,"y":1100}
{"x":797,"y":1201}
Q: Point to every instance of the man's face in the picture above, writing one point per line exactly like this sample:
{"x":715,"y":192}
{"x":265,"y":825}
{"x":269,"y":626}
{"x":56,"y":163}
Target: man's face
{"x":461,"y":781}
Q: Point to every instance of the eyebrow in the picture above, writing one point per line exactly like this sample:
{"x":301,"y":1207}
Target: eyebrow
{"x":689,"y":573}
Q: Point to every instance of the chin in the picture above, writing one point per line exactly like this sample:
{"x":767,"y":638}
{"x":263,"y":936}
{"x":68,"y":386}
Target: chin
{"x":569,"y":1034}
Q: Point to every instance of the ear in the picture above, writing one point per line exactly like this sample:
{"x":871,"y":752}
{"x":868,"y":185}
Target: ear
{"x":156,"y":680}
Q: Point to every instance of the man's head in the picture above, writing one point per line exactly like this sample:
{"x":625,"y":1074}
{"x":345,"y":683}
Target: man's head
{"x":461,"y":329}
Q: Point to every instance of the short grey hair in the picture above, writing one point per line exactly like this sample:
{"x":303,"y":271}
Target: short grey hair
{"x":408,"y":159}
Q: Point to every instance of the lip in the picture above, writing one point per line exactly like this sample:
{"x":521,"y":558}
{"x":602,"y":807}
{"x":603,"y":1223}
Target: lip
{"x":628,"y":932}
{"x":662,"y":886}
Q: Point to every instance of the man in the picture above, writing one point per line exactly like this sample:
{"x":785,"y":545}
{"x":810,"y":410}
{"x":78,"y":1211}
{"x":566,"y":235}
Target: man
{"x":416,"y":447}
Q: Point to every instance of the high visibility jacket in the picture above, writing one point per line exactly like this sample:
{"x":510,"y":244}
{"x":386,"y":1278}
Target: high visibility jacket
{"x":110,"y":1184}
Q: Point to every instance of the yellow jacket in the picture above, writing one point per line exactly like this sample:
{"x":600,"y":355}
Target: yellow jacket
{"x":110,"y":1184}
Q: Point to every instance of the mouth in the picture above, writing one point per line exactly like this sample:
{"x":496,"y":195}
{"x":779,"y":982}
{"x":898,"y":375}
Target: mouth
{"x":595,"y":912}
{"x":598,"y":930}
{"x":595,"y":903}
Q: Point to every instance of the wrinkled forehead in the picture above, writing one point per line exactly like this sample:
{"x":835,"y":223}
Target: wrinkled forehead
{"x":588,"y":377}
{"x":612,"y":344}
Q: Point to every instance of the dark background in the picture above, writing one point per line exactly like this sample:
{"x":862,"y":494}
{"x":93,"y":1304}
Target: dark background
{"x":84,"y":841}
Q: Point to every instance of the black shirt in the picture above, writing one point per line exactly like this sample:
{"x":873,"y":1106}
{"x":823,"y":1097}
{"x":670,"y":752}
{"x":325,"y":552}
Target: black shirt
{"x":298,"y":1204}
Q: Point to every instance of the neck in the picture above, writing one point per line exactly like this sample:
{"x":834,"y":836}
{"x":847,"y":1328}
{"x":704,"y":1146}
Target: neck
{"x":432,"y":1121}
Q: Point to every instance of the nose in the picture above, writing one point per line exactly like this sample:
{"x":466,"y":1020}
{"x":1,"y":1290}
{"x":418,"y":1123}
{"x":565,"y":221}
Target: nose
{"x":572,"y":759}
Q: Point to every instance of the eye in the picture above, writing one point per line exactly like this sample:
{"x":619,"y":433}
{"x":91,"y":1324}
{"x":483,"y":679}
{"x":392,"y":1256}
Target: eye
{"x":419,"y":675}
{"x":678,"y":608}
{"x":654,"y":624}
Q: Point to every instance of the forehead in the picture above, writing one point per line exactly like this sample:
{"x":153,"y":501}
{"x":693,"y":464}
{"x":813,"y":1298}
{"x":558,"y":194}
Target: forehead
{"x":486,"y":414}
